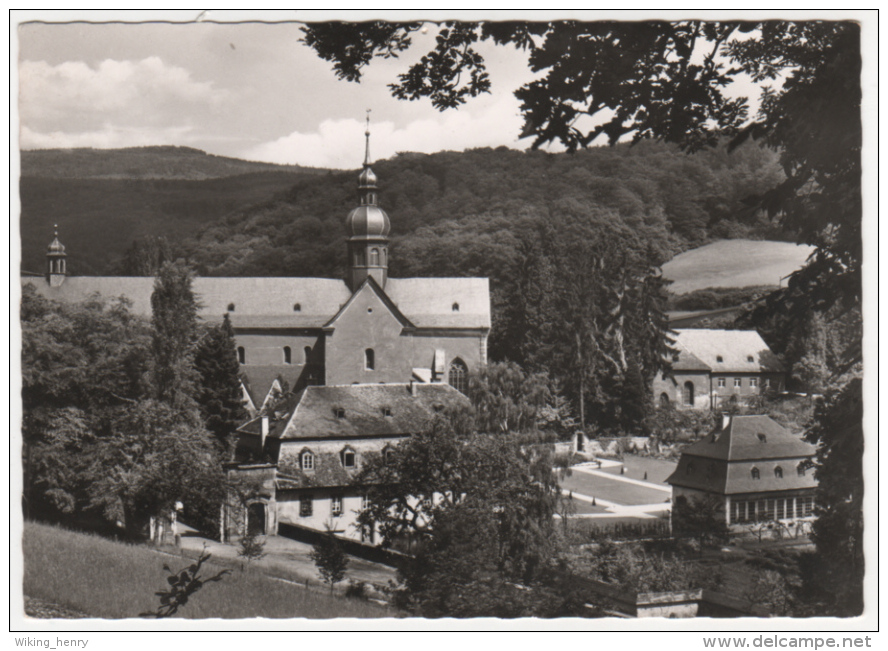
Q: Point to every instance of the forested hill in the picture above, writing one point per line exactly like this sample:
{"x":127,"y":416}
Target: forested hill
{"x":458,"y":213}
{"x":184,"y":163}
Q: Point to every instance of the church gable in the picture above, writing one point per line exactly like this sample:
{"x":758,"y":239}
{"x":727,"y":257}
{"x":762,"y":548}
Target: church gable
{"x":366,"y":341}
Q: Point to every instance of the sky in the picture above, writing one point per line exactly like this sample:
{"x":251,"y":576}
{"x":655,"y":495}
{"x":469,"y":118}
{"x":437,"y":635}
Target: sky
{"x":249,"y":90}
{"x":252,"y":91}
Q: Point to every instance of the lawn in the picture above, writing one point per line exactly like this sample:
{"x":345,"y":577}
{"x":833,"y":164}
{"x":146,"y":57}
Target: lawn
{"x":635,"y":468}
{"x":110,"y":580}
{"x":613,"y":490}
{"x":734,"y":263}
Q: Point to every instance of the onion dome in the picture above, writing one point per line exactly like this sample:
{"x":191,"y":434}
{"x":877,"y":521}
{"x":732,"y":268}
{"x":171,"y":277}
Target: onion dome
{"x":368,"y":221}
{"x":367,"y":179}
{"x":55,"y":246}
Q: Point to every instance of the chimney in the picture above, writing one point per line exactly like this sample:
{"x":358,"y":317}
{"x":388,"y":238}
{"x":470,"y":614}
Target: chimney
{"x":264,"y":432}
{"x":726,"y":421}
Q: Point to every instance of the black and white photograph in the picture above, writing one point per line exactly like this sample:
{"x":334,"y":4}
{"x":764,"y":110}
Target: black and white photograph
{"x":359,"y":320}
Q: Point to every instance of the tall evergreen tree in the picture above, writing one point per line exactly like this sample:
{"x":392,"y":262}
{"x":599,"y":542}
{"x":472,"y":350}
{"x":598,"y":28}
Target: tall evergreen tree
{"x":219,"y":394}
{"x":174,"y":324}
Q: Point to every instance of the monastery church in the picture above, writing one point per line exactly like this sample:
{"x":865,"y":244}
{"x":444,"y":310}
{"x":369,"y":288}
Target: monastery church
{"x":367,"y":361}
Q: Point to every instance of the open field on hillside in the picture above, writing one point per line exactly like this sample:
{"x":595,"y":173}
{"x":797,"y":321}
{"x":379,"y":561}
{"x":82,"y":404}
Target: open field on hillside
{"x":110,"y":580}
{"x":734,"y":263}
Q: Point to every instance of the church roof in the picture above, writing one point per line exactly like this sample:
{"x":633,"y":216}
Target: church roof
{"x":358,"y":411}
{"x":442,"y":302}
{"x":258,"y":380}
{"x":735,"y":351}
{"x":723,"y":461}
{"x":271,"y":302}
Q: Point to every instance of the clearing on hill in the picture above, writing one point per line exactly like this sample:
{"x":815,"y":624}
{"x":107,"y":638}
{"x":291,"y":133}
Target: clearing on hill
{"x":735,"y":263}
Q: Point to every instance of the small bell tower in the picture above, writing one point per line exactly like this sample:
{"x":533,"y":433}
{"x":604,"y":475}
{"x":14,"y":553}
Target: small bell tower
{"x":368,"y":228}
{"x":56,"y":266}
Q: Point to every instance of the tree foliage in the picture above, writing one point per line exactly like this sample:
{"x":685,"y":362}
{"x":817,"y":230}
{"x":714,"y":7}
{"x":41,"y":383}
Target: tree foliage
{"x":99,"y":447}
{"x":219,"y":393}
{"x":330,"y":559}
{"x":838,"y":529}
{"x":449,"y":489}
{"x":174,"y":334}
{"x":666,"y":80}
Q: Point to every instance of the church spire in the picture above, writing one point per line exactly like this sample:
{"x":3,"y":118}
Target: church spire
{"x":368,"y":228}
{"x":56,"y":266}
{"x":367,"y":146}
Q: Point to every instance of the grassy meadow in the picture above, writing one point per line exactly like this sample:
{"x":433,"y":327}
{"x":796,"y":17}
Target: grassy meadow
{"x":734,"y":263}
{"x":111,"y":580}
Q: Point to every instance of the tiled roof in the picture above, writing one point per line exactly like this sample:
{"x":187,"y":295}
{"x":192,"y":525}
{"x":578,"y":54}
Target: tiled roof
{"x":269,"y":302}
{"x":259,"y":379}
{"x":687,"y":361}
{"x":734,"y":347}
{"x":313,"y":412}
{"x":429,"y":302}
{"x":723,"y":461}
{"x":742,"y":441}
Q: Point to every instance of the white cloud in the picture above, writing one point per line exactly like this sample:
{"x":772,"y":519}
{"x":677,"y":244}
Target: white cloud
{"x":340,"y":143}
{"x":75,"y":99}
{"x":107,"y":138}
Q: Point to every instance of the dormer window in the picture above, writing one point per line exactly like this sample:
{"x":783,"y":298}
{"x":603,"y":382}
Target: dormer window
{"x":339,"y":412}
{"x":297,"y":307}
{"x":801,"y":469}
{"x":455,"y":307}
{"x":778,"y":472}
{"x":348,"y":458}
{"x":719,"y":358}
{"x":231,"y":307}
{"x":749,"y":358}
{"x":755,"y":474}
{"x":762,"y":438}
{"x":387,"y":412}
{"x":306,"y":461}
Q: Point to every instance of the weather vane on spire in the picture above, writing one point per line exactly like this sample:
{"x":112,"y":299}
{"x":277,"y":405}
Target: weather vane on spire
{"x":367,"y":134}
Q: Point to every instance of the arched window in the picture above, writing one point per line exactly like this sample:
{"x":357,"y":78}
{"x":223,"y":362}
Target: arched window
{"x":307,"y":460}
{"x":241,"y":355}
{"x":382,"y":256}
{"x":359,"y":257}
{"x":689,"y":393}
{"x":231,"y":307}
{"x":297,"y":307}
{"x":755,"y":474}
{"x":458,"y":377}
{"x":349,"y":458}
{"x":664,"y":400}
{"x":288,"y":355}
{"x":454,"y":307}
{"x":307,"y":351}
{"x":778,"y":472}
{"x":374,"y":257}
{"x":369,"y":360}
{"x":801,"y":469}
